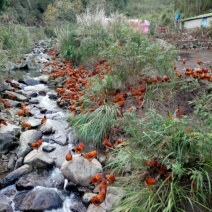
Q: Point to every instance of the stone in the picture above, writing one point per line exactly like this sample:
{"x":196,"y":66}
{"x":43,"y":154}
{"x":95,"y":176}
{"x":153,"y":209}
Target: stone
{"x":79,"y":170}
{"x":19,"y":97}
{"x":43,"y":78}
{"x":4,"y":207}
{"x":113,"y":197}
{"x":32,"y":121}
{"x":48,"y":148}
{"x":29,"y":136}
{"x":60,"y":137}
{"x":39,"y":159}
{"x":50,"y":179}
{"x":11,"y":129}
{"x":14,"y":175}
{"x":38,"y":199}
{"x":46,"y":128}
{"x":11,"y":162}
{"x":7,"y":142}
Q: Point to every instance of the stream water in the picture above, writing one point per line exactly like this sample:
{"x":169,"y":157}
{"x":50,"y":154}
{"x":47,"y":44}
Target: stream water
{"x":71,"y":200}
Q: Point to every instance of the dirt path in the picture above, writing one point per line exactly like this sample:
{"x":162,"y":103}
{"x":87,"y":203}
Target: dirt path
{"x":204,"y":55}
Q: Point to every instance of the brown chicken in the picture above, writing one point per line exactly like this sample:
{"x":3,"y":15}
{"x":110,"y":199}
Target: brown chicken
{"x":79,"y":149}
{"x":90,"y":155}
{"x":69,"y":157}
{"x":150,"y":181}
{"x":43,"y":120}
{"x":99,"y":198}
{"x":2,"y":121}
{"x":36,"y":144}
{"x":179,"y":111}
{"x":20,"y":112}
{"x":103,"y":184}
{"x":107,"y":143}
{"x":95,"y":180}
{"x":110,"y":178}
{"x":199,"y":62}
{"x":26,"y":125}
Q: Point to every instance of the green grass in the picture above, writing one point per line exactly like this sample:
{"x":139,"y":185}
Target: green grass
{"x":93,"y":126}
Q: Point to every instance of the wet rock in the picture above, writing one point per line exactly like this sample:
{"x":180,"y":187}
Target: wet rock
{"x":3,"y":167}
{"x":80,"y":170}
{"x":42,"y":93}
{"x":19,"y":97}
{"x":53,"y":96}
{"x":71,"y":187}
{"x":43,"y":78}
{"x":30,"y":82}
{"x":46,"y":128}
{"x":48,"y":148}
{"x":60,"y":137}
{"x":13,"y":103}
{"x":77,"y":206}
{"x":35,"y":88}
{"x":11,"y":129}
{"x":58,"y":154}
{"x":11,"y":162}
{"x":19,"y":163}
{"x":29,"y":136}
{"x":13,"y":176}
{"x":43,"y":110}
{"x":34,"y":101}
{"x":39,"y":159}
{"x":5,"y":207}
{"x":32,"y":121}
{"x":7,"y":142}
{"x":51,"y":179}
{"x":32,"y":95}
{"x":39,"y":199}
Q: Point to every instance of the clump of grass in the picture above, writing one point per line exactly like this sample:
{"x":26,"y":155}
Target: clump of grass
{"x":92,"y":126}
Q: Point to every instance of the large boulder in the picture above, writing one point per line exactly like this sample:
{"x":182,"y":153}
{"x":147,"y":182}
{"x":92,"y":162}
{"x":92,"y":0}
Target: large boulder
{"x":38,"y":159}
{"x":18,"y":96}
{"x":79,"y":170}
{"x":29,"y":136}
{"x":38,"y":199}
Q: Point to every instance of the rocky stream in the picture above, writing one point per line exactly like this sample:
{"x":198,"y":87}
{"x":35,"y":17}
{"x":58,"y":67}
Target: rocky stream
{"x":41,"y":179}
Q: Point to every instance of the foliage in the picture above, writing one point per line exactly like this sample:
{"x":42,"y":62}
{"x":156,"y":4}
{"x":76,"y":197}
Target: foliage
{"x":186,"y":154}
{"x":92,"y":126}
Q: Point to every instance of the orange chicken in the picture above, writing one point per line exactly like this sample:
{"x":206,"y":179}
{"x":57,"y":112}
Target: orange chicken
{"x":110,"y":178}
{"x":43,"y":120}
{"x":2,"y":121}
{"x":90,"y":155}
{"x":95,"y":180}
{"x":99,"y":198}
{"x":36,"y":144}
{"x":107,"y":143}
{"x":69,"y":157}
{"x":26,"y":125}
{"x":150,"y":181}
{"x":79,"y":149}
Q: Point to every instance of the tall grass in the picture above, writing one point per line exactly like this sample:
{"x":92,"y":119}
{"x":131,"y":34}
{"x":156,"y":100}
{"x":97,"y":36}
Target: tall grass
{"x":92,"y":126}
{"x":186,"y":155}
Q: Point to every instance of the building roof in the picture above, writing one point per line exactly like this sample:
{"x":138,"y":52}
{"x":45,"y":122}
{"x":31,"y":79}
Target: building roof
{"x":197,"y":17}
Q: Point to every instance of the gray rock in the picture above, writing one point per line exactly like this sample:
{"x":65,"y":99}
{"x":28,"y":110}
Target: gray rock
{"x":46,"y":128}
{"x":32,"y":121}
{"x":80,"y":170}
{"x":13,"y":103}
{"x":29,"y":136}
{"x":60,"y":137}
{"x":19,"y":97}
{"x":39,"y":159}
{"x":11,"y":162}
{"x":43,"y":78}
{"x":5,"y":207}
{"x":11,"y":129}
{"x":39,"y":199}
{"x":113,"y":197}
{"x":48,"y":148}
{"x":51,"y":179}
{"x":58,"y":155}
{"x":13,"y":176}
{"x":7,"y":142}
